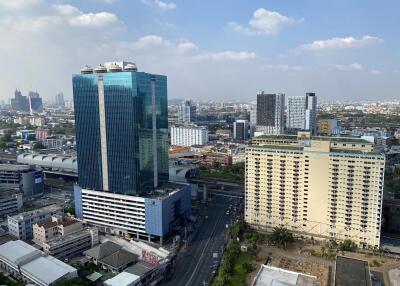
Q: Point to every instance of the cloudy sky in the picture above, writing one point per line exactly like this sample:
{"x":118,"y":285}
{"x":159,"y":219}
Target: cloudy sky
{"x":210,"y":50}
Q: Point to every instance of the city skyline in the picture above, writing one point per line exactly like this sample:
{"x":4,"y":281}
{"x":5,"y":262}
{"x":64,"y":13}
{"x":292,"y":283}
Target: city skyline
{"x":328,"y":48}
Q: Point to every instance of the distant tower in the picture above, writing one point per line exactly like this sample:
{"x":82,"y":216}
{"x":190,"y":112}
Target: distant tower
{"x":187,"y":112}
{"x":302,"y":113}
{"x":270,"y":113}
{"x":20,"y":102}
{"x":35,"y":102}
{"x":59,"y":100}
{"x":241,"y":129}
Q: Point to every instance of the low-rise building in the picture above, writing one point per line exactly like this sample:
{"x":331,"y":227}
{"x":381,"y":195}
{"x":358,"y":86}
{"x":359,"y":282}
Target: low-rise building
{"x":10,"y":202}
{"x":21,"y":225}
{"x":350,"y":271}
{"x":268,"y":275}
{"x":64,"y":237}
{"x":26,"y":263}
{"x":27,"y":179}
{"x":42,"y":133}
{"x":72,"y":244}
{"x":54,"y":227}
{"x":327,"y":126}
{"x":111,"y":256}
{"x":189,"y":135}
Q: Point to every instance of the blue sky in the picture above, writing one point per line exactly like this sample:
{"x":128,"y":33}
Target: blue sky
{"x":210,"y":50}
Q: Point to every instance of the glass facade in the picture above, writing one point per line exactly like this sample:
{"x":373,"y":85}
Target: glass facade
{"x":114,"y":131}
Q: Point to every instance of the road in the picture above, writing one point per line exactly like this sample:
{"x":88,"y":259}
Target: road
{"x":196,"y":264}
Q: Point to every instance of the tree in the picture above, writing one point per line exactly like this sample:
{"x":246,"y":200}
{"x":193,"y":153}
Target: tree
{"x":347,"y":245}
{"x":38,"y":145}
{"x":71,"y":209}
{"x":281,"y":237}
{"x":247,"y":267}
{"x":3,"y":145}
{"x":6,"y":137}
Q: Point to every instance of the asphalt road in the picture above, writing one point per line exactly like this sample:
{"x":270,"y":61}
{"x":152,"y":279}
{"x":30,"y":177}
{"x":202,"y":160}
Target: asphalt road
{"x":196,"y":264}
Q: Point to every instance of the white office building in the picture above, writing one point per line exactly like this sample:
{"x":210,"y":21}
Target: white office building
{"x":189,"y":135}
{"x":302,"y":113}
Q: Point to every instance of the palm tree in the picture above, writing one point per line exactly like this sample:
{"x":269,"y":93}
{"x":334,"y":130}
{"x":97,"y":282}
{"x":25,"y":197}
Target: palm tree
{"x":281,"y":236}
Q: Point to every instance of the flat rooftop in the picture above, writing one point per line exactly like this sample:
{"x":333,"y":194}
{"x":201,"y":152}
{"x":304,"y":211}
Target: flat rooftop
{"x":317,"y":138}
{"x":68,"y":237}
{"x":47,"y":269}
{"x":165,"y":190}
{"x":17,"y":251}
{"x":14,"y":168}
{"x":273,"y":276}
{"x":354,"y":272}
{"x":36,"y":212}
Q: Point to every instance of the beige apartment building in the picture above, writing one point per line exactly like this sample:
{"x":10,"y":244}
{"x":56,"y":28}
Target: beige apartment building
{"x":321,"y":187}
{"x":54,"y":227}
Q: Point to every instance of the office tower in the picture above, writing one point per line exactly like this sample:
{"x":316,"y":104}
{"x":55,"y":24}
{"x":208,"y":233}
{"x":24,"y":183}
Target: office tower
{"x":241,"y":130}
{"x":270,"y":113}
{"x":187,"y":112}
{"x":121,"y":122}
{"x":59,"y":100}
{"x":121,"y":129}
{"x":321,"y":187}
{"x":189,"y":135}
{"x":20,"y":102}
{"x":302,"y":113}
{"x":35,"y":102}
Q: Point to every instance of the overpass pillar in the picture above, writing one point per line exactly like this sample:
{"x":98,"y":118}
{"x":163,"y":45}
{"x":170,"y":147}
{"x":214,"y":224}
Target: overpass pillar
{"x":205,"y":192}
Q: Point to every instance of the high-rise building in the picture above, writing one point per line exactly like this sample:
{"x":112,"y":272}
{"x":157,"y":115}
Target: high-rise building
{"x":321,"y":187}
{"x":59,"y":100}
{"x":189,"y":135}
{"x":187,"y":112}
{"x":121,"y":121}
{"x":270,"y":113}
{"x":302,"y":113}
{"x":121,"y":128}
{"x":20,"y":102}
{"x":35,"y":102}
{"x":241,"y":129}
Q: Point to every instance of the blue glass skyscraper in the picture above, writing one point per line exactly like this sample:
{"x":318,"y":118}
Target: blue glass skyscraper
{"x":121,"y":121}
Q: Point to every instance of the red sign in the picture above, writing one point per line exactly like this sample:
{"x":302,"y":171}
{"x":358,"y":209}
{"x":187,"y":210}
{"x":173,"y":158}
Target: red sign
{"x":150,"y":257}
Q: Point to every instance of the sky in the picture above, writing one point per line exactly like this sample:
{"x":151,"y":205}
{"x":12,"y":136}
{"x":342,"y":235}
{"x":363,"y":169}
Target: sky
{"x":209,"y":50}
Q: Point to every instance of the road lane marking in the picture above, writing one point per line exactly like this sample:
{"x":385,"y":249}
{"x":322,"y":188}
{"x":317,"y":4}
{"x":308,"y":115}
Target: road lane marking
{"x":204,"y":249}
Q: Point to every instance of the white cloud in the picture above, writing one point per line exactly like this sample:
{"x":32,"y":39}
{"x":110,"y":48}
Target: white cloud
{"x":160,"y":4}
{"x":339,"y":43}
{"x":284,"y":67}
{"x":186,"y":47}
{"x":150,"y":40}
{"x":67,"y":9}
{"x":227,"y":55}
{"x":100,"y":19}
{"x":375,"y":72}
{"x":263,"y":22}
{"x":109,"y":1}
{"x":18,"y":4}
{"x":350,"y":67}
